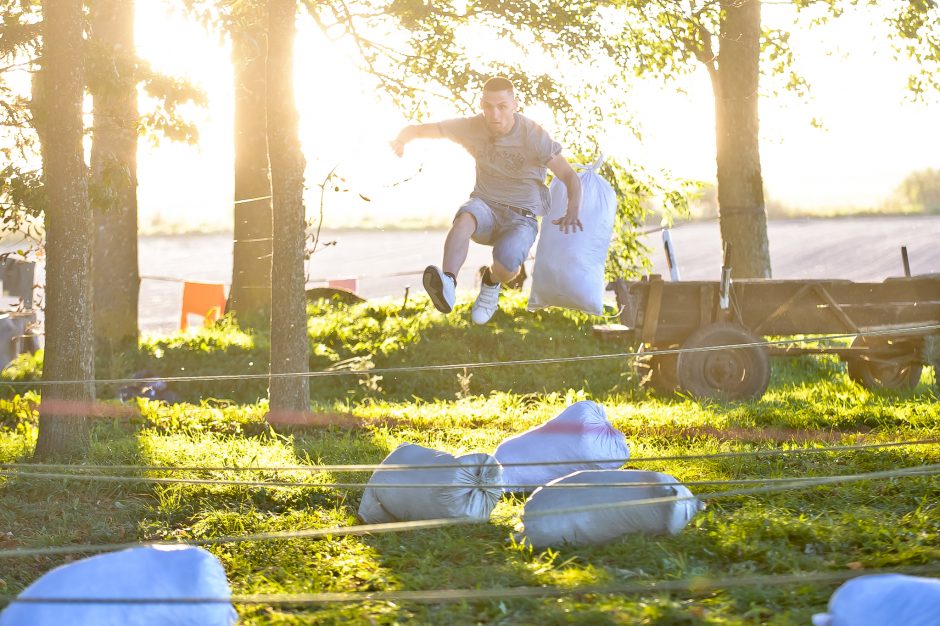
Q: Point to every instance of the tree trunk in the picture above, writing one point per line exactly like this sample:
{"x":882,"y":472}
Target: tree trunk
{"x":742,"y":215}
{"x":116,"y":277}
{"x":69,"y":355}
{"x":289,"y":340}
{"x":250,"y":296}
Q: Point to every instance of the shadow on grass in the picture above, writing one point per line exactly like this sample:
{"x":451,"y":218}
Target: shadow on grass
{"x":53,"y":512}
{"x":813,"y":399}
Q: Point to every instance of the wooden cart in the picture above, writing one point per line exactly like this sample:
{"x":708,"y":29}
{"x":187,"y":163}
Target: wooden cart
{"x":657,"y":315}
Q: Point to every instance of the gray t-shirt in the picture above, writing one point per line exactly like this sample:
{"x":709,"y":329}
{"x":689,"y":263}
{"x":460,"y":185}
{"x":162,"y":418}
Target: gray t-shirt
{"x":511,"y":168}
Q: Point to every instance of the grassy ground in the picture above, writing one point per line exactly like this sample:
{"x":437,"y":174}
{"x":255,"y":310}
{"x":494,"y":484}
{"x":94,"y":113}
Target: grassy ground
{"x":810,"y":403}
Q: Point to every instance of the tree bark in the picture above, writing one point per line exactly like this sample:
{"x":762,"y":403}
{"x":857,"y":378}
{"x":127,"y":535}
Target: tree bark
{"x":250,"y":296}
{"x":116,"y":277}
{"x":69,"y":354}
{"x":289,"y":340}
{"x":742,"y":214}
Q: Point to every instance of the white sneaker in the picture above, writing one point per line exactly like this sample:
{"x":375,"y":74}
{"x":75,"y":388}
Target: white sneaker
{"x":441,"y":288}
{"x":486,"y":303}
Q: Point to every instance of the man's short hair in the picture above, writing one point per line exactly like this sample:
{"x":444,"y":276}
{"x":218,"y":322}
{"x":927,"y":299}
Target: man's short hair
{"x":499,"y":83}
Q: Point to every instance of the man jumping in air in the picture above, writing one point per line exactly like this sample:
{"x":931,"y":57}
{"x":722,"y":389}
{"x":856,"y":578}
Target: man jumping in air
{"x":512,"y":153}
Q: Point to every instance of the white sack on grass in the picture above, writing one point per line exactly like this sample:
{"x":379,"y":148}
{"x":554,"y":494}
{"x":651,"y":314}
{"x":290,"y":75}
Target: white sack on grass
{"x":600,"y":524}
{"x":467,"y":492}
{"x":581,"y":433}
{"x":569,"y":268}
{"x":158,"y":572}
{"x":884,"y":599}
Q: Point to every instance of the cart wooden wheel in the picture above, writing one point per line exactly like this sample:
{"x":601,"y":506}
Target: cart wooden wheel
{"x":732,"y":374}
{"x":932,"y":356}
{"x":893,"y":364}
{"x":658,"y":372}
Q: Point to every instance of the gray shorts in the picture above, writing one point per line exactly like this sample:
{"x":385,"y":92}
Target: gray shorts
{"x":511,"y":234}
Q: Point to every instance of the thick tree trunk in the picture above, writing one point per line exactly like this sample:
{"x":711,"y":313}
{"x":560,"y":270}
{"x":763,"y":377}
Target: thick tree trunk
{"x":69,"y":351}
{"x":116,"y":277}
{"x":250,"y":296}
{"x":289,"y":341}
{"x":742,"y":214}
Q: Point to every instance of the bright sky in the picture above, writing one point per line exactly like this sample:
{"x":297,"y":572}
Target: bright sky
{"x":872,"y":136}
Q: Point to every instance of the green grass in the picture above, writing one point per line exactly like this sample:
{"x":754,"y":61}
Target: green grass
{"x":810,"y":403}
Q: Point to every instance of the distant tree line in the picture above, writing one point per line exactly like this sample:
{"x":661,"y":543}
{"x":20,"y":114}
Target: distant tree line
{"x":920,"y":192}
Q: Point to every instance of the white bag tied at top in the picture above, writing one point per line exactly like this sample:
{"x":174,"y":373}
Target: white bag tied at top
{"x":569,"y":267}
{"x":882,"y":600}
{"x":158,"y":572}
{"x":579,"y":438}
{"x":461,"y":487}
{"x":551,"y":517}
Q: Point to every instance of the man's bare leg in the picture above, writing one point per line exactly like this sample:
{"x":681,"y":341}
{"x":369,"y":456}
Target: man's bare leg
{"x":441,"y":282}
{"x":499,"y":274}
{"x":457,"y":244}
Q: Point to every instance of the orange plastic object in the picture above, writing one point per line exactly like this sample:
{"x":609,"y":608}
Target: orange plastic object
{"x":205,"y":299}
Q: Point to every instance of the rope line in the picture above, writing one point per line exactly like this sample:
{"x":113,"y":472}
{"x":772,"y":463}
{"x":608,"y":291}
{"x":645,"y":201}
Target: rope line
{"x":362,"y":529}
{"x":402,"y":467}
{"x":822,"y":481}
{"x":311,"y":282}
{"x":380,"y":486}
{"x":474,"y":365}
{"x":695,"y":585}
{"x":247,"y":200}
{"x":313,"y":533}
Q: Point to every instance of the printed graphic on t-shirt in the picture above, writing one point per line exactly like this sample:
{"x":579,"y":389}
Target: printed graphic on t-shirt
{"x":504,"y":159}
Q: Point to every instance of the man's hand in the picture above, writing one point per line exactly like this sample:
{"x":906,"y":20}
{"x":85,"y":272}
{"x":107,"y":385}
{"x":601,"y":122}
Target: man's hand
{"x":569,"y":221}
{"x":407,"y":134}
{"x":562,"y":169}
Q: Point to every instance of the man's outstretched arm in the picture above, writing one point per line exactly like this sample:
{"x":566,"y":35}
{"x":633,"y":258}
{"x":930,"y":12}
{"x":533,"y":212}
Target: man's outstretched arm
{"x":563,"y":171}
{"x":415,"y":131}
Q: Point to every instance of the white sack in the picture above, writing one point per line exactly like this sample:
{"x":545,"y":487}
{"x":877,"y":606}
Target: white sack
{"x":569,"y":268}
{"x":157,"y":572}
{"x":581,"y":433}
{"x":884,"y":599}
{"x":467,"y":491}
{"x":600,"y":524}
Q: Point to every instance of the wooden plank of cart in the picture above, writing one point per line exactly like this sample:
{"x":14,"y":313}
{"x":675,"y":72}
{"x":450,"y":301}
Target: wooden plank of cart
{"x":662,"y":315}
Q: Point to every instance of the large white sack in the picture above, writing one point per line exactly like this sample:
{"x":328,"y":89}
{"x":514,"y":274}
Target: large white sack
{"x":569,"y":267}
{"x":548,"y":519}
{"x":579,"y":438}
{"x":158,"y":572}
{"x":882,"y":600}
{"x":464,"y":487}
